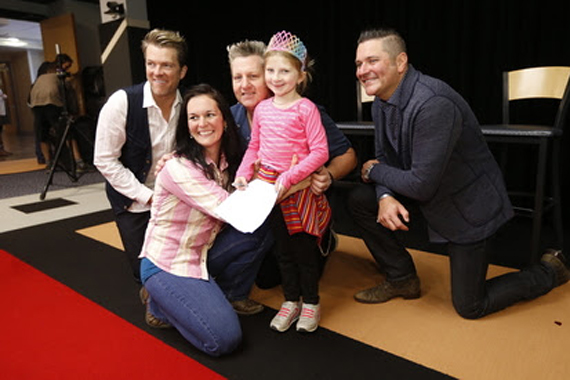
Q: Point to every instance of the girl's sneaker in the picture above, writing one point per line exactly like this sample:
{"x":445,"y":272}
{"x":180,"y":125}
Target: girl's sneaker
{"x":310,"y":317}
{"x":286,"y":316}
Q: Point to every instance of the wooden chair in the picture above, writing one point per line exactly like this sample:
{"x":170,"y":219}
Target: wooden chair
{"x":550,"y":82}
{"x":363,"y":125}
{"x":361,"y":98}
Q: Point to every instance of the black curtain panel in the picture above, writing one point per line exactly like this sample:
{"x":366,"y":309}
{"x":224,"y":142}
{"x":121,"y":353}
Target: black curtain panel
{"x":468,"y":44}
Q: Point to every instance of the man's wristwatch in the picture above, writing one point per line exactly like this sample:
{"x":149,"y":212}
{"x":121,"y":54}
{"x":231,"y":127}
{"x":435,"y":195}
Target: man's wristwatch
{"x":367,"y":172}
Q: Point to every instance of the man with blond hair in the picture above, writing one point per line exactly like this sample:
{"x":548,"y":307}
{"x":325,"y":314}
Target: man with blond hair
{"x":136,"y":127}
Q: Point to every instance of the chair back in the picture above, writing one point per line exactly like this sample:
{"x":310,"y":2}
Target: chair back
{"x":548,"y":82}
{"x":361,"y":97}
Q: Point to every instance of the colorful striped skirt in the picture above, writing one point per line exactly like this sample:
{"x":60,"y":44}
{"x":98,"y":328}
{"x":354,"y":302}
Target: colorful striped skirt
{"x":303,"y":211}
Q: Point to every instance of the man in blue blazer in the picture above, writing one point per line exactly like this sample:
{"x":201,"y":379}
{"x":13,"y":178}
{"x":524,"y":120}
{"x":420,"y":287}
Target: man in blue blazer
{"x":430,"y":153}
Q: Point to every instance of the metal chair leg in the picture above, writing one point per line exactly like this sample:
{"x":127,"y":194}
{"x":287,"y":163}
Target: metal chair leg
{"x":556,"y":194}
{"x":538,"y":201}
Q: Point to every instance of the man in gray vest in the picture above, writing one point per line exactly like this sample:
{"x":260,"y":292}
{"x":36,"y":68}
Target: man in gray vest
{"x":136,"y":127}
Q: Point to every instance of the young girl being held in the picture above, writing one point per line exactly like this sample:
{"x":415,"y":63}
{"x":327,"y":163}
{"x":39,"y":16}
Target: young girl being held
{"x":284,"y":126}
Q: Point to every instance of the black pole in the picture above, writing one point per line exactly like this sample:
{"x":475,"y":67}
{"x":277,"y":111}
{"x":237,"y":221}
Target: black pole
{"x":72,"y":173}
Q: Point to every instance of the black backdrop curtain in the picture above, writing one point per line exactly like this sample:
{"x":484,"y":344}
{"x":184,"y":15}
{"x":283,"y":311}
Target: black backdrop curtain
{"x":465,"y":43}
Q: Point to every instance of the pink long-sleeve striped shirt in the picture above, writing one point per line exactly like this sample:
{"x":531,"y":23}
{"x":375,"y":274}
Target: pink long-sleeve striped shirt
{"x":183,"y":225}
{"x":277,"y":134}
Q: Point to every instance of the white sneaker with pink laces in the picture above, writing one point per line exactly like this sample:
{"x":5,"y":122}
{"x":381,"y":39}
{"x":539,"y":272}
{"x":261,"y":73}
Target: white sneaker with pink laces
{"x":286,"y":316}
{"x":310,"y":317}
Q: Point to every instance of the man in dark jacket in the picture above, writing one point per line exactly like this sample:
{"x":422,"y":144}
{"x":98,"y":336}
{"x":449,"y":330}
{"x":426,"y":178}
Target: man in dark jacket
{"x":430,"y":152}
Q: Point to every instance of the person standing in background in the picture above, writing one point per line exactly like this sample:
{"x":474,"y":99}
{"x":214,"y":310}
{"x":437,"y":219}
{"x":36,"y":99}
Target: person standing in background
{"x":3,"y":118}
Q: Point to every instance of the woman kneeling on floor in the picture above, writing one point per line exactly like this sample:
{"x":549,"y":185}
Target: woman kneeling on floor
{"x":195,"y":266}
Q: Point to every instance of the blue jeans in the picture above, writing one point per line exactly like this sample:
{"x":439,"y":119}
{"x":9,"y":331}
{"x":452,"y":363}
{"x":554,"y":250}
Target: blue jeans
{"x":474,"y":296}
{"x":200,"y":310}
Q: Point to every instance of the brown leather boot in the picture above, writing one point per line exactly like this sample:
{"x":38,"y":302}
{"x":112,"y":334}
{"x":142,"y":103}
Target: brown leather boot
{"x":556,"y":260}
{"x":386,"y":290}
{"x":247,"y":307}
{"x":149,"y":318}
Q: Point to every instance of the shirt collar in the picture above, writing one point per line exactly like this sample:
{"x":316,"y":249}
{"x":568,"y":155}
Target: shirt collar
{"x":148,"y":99}
{"x":403,"y":93}
{"x":223,"y":162}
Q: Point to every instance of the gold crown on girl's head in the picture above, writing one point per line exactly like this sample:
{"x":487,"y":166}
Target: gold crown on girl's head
{"x":285,"y":41}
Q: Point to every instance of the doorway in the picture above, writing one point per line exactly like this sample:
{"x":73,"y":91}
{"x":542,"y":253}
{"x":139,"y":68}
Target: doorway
{"x":34,"y":43}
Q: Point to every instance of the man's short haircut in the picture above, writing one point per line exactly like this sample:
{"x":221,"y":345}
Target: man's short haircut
{"x":246,"y":49}
{"x":392,"y":41}
{"x":167,"y":38}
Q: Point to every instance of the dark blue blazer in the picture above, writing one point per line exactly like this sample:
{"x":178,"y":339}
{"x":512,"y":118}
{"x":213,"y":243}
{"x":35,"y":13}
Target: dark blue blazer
{"x":431,"y":149}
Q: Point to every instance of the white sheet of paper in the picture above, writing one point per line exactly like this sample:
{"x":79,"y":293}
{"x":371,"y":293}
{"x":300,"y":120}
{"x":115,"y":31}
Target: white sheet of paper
{"x":247,"y":209}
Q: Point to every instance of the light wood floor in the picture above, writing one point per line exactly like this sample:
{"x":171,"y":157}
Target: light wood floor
{"x":22,"y":146}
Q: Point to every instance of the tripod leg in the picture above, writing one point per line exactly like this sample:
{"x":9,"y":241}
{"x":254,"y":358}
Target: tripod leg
{"x":60,"y":147}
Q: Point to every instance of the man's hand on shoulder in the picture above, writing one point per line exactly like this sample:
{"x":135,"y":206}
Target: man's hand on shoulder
{"x":160,"y":164}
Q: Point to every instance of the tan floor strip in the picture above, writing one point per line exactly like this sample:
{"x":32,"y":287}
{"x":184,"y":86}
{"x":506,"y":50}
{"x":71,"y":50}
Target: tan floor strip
{"x":106,"y":233}
{"x":20,"y":166}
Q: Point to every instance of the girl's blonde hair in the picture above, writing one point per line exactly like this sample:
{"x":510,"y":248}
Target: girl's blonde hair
{"x":309,"y":67}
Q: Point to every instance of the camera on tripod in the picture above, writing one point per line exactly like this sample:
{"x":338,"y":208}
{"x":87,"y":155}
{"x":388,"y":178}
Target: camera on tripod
{"x":64,"y":152}
{"x":62,"y":73}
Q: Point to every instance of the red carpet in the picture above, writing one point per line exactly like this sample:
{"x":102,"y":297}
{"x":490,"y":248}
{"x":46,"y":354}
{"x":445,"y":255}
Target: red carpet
{"x":48,"y":331}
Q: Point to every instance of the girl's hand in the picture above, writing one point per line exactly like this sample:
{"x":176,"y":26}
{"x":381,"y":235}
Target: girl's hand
{"x":282,"y":193}
{"x":240,"y":183}
{"x":256,"y":166}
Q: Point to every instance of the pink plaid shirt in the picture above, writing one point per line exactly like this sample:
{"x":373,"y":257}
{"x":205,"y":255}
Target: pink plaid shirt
{"x":183,"y":226}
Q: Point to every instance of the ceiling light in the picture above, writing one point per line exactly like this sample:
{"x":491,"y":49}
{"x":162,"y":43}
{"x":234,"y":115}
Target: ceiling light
{"x":13,"y":42}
